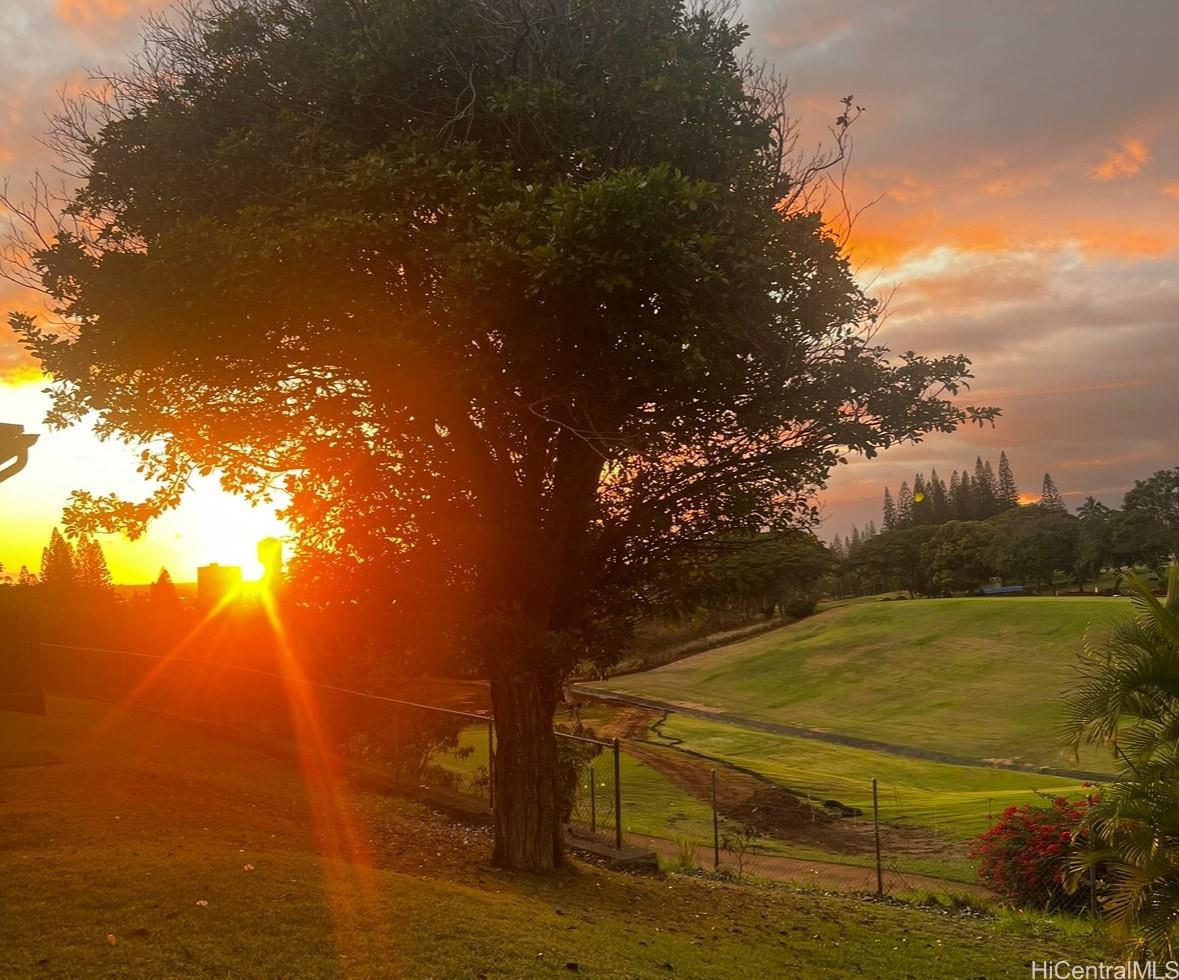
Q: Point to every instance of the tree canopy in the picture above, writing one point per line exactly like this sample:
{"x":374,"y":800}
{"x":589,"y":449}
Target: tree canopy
{"x":510,"y":299}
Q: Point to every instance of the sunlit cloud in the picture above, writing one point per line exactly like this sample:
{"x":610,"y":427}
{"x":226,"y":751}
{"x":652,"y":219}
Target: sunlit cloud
{"x":87,"y":13}
{"x":1126,"y":161}
{"x":1098,"y":461}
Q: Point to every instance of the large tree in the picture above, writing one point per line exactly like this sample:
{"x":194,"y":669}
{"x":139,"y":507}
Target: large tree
{"x":894,"y":560}
{"x":1150,"y":515}
{"x":1032,"y":543}
{"x":511,"y":297}
{"x":957,"y":556}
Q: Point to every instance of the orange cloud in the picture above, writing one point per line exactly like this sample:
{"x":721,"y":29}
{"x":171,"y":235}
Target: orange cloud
{"x":1124,"y":162}
{"x":1013,"y":185}
{"x":87,"y":13}
{"x":1097,"y":462}
{"x":1172,"y":190}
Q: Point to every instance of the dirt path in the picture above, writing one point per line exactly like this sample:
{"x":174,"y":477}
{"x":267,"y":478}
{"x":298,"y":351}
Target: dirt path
{"x":851,"y":741}
{"x":819,"y":874}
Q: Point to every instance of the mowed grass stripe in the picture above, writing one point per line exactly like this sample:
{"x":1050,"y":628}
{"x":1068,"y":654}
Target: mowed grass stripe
{"x":971,"y":677}
{"x":956,"y":801}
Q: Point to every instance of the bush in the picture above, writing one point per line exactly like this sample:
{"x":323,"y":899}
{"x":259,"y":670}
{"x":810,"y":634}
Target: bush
{"x":1025,"y":856}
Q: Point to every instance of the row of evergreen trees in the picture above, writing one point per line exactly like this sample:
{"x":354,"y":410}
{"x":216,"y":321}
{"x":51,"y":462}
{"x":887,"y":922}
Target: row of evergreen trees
{"x":71,"y":570}
{"x":969,"y":496}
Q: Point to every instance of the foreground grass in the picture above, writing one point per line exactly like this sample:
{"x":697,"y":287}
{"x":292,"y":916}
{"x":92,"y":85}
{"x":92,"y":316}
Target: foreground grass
{"x":155,"y":849}
{"x":972,"y":677}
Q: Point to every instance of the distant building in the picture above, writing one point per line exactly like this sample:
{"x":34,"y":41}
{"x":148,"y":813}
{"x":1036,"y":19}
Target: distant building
{"x":215,"y":582}
{"x":270,"y":558}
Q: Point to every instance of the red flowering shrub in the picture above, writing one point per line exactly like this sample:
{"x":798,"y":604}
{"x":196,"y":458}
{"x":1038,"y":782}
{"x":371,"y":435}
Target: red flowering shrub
{"x":1025,"y":856}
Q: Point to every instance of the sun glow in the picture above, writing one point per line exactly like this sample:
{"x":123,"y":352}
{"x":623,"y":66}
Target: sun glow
{"x":210,"y":526}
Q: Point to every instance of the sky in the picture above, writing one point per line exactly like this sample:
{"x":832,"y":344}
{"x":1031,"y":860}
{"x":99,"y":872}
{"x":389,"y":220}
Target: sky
{"x":1023,"y":158}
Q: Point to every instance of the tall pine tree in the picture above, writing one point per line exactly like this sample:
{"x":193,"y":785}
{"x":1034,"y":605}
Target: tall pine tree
{"x":965,"y":503}
{"x":995,"y":503}
{"x":164,"y":595}
{"x":904,"y":505}
{"x":838,"y":548}
{"x":938,"y":502}
{"x":890,"y":512}
{"x":58,"y":572}
{"x":94,"y":577}
{"x":921,"y":513}
{"x":984,"y":490}
{"x":1008,"y":492}
{"x":1050,"y":497}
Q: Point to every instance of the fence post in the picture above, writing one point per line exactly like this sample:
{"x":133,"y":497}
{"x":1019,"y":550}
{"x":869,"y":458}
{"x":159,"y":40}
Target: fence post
{"x":617,"y":797}
{"x":490,"y":762}
{"x":593,"y":803}
{"x":876,"y":830}
{"x":715,"y":828}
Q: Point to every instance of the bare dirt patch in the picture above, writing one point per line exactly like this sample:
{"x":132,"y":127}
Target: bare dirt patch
{"x":765,"y":808}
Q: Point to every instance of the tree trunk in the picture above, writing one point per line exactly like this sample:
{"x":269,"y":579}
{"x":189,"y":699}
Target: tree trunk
{"x":528,"y":832}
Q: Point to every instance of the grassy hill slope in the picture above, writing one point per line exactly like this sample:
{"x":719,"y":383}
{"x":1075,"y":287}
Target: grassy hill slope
{"x":971,"y":677}
{"x":154,"y":848}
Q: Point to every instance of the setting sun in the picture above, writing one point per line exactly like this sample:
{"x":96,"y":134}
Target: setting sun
{"x":209,"y":526}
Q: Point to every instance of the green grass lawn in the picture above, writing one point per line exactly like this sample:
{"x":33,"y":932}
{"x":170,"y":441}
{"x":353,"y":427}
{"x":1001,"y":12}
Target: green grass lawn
{"x":971,"y":677}
{"x":155,"y":849}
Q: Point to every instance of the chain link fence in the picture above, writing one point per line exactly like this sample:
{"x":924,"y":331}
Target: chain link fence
{"x":833,"y":830}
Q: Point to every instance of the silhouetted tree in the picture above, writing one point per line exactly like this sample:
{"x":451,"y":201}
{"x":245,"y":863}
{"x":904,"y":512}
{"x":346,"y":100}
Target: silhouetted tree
{"x":904,"y":505}
{"x":1050,"y":497}
{"x":922,"y":509}
{"x":91,"y":571}
{"x":986,"y":503}
{"x":58,"y":573}
{"x":965,"y":501}
{"x":163,"y":592}
{"x":939,"y":506}
{"x":1008,"y":491}
{"x":890,"y":512}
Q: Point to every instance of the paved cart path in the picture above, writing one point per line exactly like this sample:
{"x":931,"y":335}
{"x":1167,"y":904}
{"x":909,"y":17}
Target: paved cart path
{"x":851,"y":741}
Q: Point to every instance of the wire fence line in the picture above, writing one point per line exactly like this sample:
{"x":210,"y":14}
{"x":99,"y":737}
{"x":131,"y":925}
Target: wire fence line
{"x":431,"y":747}
{"x":695,"y":811}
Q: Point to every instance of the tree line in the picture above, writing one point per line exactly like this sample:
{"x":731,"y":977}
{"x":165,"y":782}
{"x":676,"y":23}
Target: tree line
{"x":969,"y":496}
{"x":1031,"y":545}
{"x":69,"y":570}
